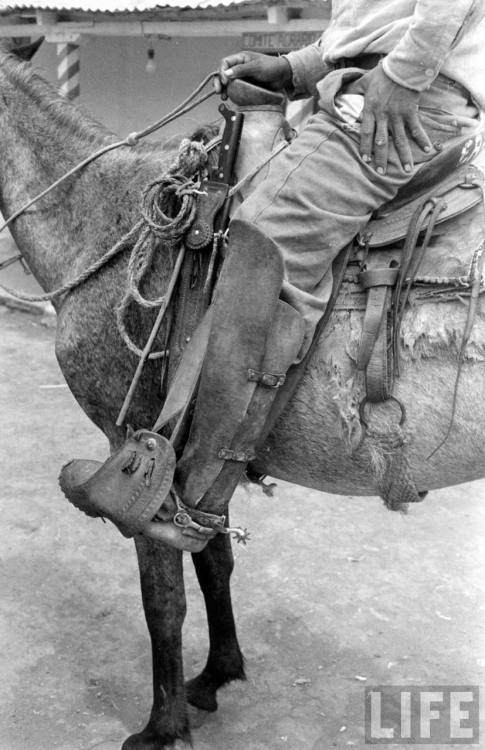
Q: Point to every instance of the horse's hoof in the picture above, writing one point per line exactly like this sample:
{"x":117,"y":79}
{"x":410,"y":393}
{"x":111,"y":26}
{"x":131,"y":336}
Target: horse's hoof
{"x":201,"y":692}
{"x":149,"y":740}
{"x":197,"y":716}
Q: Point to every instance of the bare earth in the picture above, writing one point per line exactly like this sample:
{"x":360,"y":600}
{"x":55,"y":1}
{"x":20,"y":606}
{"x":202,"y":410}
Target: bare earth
{"x":332,"y":594}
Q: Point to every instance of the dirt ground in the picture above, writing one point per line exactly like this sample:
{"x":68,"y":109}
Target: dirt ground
{"x":332,"y":594}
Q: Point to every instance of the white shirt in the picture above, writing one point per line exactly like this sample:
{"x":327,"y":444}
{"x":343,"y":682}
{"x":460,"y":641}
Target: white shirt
{"x":419,"y":38}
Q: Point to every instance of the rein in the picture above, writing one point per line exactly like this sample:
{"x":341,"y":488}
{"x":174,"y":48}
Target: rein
{"x":131,"y":140}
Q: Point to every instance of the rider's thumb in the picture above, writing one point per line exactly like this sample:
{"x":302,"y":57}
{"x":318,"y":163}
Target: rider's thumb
{"x":246,"y":70}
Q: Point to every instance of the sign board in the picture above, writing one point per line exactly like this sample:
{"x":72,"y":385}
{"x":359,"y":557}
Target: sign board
{"x":279,"y":41}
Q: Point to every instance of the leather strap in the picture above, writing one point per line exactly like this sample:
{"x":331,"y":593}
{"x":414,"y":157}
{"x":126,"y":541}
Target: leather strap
{"x":379,"y":368}
{"x":182,"y":387}
{"x":378,"y":277}
{"x":377,"y":281}
{"x":209,"y":204}
{"x":267,"y":379}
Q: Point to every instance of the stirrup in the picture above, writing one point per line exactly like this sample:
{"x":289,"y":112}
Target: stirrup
{"x":129,"y":488}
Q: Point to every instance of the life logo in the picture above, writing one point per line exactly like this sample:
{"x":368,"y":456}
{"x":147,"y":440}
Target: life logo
{"x":417,"y":715}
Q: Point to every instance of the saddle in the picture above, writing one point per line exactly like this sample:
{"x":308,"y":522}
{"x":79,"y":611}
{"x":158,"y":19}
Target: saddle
{"x":391,"y":251}
{"x":415,"y":242}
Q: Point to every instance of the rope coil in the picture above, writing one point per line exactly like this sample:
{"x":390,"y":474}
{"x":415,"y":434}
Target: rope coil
{"x":169,"y":206}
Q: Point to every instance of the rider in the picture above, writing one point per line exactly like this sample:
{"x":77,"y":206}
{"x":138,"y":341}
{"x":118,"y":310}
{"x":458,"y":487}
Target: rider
{"x":397,"y":81}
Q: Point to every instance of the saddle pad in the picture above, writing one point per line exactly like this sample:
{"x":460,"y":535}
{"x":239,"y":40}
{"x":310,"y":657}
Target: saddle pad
{"x":448,"y":257}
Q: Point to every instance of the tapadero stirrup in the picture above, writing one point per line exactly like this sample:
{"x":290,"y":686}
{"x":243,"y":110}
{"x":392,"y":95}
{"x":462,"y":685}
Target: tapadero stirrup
{"x":129,"y":488}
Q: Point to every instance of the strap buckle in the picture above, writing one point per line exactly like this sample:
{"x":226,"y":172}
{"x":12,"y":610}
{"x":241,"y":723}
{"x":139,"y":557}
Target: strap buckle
{"x":183,"y":518}
{"x":240,"y":456}
{"x":267,"y":379}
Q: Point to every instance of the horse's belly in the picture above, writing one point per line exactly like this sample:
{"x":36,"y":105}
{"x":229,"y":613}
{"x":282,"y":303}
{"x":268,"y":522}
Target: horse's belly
{"x":316,"y":441}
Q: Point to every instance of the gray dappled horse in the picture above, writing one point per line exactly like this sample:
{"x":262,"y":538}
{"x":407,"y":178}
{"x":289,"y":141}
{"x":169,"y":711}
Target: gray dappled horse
{"x":317,"y":442}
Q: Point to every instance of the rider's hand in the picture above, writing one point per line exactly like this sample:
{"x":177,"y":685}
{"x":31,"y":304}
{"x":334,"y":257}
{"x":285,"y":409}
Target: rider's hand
{"x":266,"y":70}
{"x":390,"y":111}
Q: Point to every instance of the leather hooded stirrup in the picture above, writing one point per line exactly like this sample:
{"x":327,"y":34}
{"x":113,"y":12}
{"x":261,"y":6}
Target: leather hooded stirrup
{"x":129,"y":488}
{"x":254,"y":339}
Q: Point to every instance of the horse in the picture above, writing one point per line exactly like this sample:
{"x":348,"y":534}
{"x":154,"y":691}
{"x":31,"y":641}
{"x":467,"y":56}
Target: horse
{"x":317,"y":442}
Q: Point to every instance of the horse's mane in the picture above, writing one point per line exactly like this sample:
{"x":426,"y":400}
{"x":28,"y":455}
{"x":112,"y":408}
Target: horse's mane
{"x":66,"y":115}
{"x":47,"y":98}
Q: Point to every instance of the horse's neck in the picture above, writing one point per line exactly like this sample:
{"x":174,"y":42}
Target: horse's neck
{"x":42,"y":138}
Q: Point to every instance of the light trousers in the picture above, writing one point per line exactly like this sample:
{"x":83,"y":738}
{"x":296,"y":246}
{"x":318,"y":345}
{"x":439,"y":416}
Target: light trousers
{"x":319,"y":193}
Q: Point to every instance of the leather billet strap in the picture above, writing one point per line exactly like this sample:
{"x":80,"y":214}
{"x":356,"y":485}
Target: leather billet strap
{"x":377,"y":282}
{"x":379,"y":369}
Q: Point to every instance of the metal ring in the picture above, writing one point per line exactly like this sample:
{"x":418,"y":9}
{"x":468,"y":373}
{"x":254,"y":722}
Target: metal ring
{"x":380,"y":142}
{"x":182,"y":519}
{"x":366,"y":401}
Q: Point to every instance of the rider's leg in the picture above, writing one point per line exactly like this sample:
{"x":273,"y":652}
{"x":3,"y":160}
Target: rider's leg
{"x":254,"y":339}
{"x":320,"y":193}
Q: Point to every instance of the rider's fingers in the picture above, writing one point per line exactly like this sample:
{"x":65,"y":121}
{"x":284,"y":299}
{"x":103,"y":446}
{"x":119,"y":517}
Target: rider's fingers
{"x":418,"y":133}
{"x":401,"y":143}
{"x":243,"y":70}
{"x":232,"y":62}
{"x":237,"y":59}
{"x":381,"y":145}
{"x":367,"y":130}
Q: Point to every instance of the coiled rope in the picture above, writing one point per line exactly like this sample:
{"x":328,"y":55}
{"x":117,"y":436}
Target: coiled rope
{"x":169,"y":206}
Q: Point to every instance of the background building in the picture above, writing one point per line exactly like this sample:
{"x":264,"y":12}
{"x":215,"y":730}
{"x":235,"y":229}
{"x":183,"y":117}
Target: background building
{"x":131,"y":61}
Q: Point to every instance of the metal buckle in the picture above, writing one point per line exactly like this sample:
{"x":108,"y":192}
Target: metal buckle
{"x":268,"y":379}
{"x":183,"y":519}
{"x":240,"y":456}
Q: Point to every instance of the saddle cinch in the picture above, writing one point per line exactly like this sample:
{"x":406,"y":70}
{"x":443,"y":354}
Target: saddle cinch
{"x":382,"y":263}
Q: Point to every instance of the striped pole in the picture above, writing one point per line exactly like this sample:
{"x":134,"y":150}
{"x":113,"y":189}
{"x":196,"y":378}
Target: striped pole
{"x":68,"y":70}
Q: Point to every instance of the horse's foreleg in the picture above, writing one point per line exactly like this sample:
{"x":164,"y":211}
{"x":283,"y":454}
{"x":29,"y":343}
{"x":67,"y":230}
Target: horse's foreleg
{"x":163,"y":597}
{"x":214,"y":566}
